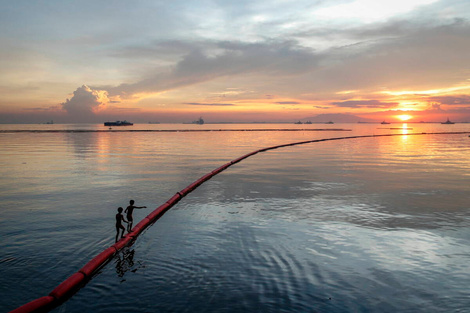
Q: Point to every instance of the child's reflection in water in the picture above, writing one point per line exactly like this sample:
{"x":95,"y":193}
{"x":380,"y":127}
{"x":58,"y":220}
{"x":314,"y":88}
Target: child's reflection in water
{"x":124,"y":263}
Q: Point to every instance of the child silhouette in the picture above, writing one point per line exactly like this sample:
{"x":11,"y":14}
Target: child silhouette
{"x":129,"y":211}
{"x":119,"y":226}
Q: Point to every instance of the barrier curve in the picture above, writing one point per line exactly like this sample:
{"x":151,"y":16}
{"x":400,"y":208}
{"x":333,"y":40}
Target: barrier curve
{"x":76,"y":281}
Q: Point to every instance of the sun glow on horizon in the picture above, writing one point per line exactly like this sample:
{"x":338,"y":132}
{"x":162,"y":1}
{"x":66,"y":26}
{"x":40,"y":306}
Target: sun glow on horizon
{"x":404,"y":117}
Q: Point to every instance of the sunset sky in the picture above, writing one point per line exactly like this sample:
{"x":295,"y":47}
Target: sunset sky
{"x":233,"y":60}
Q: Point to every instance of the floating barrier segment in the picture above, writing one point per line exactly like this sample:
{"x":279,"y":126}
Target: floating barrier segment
{"x":98,"y":261}
{"x":68,"y":286}
{"x":77,"y":280}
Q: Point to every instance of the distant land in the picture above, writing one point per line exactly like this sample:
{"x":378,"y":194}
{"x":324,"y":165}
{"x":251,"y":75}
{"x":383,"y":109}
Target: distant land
{"x":337,"y":118}
{"x":317,"y":119}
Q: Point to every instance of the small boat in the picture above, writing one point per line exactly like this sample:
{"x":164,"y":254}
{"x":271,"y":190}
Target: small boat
{"x":200,"y":121}
{"x":330,"y":122}
{"x":448,"y":122}
{"x":118,"y":123}
{"x":385,"y":122}
{"x":308,"y":122}
{"x":299,"y":122}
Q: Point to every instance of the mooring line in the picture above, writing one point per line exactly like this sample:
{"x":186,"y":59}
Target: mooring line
{"x":71,"y":285}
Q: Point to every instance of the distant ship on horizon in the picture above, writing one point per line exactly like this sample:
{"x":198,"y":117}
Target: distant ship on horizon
{"x":118,"y":123}
{"x":200,"y":121}
{"x":383,"y":122}
{"x":448,"y":122}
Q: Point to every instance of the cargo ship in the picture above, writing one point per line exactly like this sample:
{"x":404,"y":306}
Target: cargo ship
{"x":118,"y":123}
{"x":448,"y":122}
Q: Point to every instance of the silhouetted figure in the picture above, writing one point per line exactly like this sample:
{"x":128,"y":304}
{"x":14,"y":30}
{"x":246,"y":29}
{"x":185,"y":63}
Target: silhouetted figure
{"x":129,"y":211}
{"x":119,"y":226}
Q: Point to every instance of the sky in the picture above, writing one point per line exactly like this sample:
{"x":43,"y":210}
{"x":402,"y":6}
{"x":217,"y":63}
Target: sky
{"x":233,"y":60}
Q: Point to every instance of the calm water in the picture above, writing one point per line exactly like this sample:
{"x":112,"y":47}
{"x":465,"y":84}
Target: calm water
{"x":363,"y":225}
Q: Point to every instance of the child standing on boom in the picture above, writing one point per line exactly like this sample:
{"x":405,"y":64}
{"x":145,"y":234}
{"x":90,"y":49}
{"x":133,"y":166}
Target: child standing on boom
{"x":129,"y":211}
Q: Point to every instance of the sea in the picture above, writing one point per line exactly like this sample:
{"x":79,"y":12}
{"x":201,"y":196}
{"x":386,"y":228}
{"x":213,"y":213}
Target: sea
{"x":361,"y":224}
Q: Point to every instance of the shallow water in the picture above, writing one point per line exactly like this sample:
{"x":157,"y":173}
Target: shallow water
{"x":376,"y":224}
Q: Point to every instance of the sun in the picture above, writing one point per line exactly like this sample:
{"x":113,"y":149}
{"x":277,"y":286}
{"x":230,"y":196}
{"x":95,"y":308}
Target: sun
{"x":404,"y":117}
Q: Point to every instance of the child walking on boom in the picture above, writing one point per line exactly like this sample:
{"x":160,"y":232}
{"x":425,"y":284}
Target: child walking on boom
{"x":119,"y":226}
